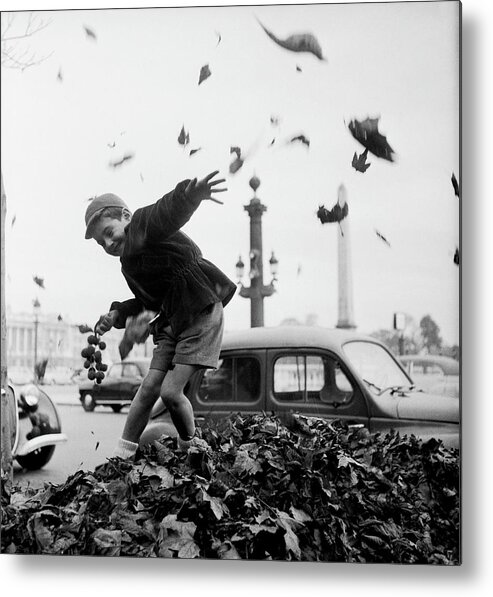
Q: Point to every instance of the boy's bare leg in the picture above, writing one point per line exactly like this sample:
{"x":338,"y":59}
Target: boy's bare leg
{"x":176,"y":402}
{"x":141,"y":405}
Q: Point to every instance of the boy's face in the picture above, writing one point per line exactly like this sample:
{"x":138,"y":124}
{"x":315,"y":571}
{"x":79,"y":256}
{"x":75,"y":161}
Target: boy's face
{"x":110,"y":233}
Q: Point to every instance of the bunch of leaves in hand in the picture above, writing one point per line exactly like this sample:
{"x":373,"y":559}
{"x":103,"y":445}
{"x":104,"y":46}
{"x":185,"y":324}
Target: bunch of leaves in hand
{"x":94,"y":359}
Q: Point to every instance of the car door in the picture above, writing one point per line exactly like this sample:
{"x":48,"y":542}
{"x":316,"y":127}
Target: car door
{"x":313,"y":383}
{"x":237,"y":385}
{"x":130,"y":382}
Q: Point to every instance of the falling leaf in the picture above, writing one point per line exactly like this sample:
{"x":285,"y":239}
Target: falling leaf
{"x":218,"y":38}
{"x":382,"y":237}
{"x":272,"y":142}
{"x":205,"y":73}
{"x":111,"y":145}
{"x":455,"y":184}
{"x":97,"y":446}
{"x":302,"y":139}
{"x":127,"y":156}
{"x":183,"y":137}
{"x":13,"y":220}
{"x":237,"y":163}
{"x":299,"y":42}
{"x":359,"y":162}
{"x":192,"y":151}
{"x":299,"y":69}
{"x":84,"y":328}
{"x":366,"y":132}
{"x":275,"y":120}
{"x":456,"y":256}
{"x":90,"y":33}
{"x":60,"y":76}
{"x":141,"y":177}
{"x":60,"y":342}
{"x":338,"y":212}
{"x":59,"y":318}
{"x":39,"y":281}
{"x":298,"y":271}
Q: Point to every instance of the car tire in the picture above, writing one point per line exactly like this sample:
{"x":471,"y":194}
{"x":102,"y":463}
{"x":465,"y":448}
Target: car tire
{"x":37,"y":459}
{"x":116,"y":408}
{"x":88,"y":402}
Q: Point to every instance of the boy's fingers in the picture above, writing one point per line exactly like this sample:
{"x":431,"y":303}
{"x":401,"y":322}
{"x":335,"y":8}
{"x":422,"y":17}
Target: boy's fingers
{"x":215,"y":200}
{"x":211,"y":175}
{"x":218,"y":190}
{"x":218,"y":181}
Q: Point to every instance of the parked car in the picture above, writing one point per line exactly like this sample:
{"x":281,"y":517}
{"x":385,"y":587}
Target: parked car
{"x":315,"y":372}
{"x":118,"y":388}
{"x":433,"y":373}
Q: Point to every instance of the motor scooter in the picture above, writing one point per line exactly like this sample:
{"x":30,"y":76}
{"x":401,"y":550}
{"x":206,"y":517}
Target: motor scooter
{"x":35,"y":425}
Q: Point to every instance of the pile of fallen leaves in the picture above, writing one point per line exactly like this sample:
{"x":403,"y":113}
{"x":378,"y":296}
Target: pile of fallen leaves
{"x":254,"y":489}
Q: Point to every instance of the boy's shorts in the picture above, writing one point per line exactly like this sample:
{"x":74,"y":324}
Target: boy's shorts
{"x":199,"y":344}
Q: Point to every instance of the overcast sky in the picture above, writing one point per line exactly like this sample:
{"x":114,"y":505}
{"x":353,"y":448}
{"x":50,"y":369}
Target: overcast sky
{"x":137,"y":84}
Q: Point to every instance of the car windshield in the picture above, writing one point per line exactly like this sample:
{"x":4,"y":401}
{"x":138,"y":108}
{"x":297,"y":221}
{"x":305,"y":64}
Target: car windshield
{"x":376,"y":366}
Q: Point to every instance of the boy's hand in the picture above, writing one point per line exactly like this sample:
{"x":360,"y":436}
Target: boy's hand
{"x":106,"y":322}
{"x":199,"y":190}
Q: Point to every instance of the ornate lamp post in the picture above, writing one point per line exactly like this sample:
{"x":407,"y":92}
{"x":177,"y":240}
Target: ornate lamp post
{"x":257,"y":291}
{"x":36,"y":310}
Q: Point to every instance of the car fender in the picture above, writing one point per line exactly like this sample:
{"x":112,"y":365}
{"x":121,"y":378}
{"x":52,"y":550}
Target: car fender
{"x":155,"y":430}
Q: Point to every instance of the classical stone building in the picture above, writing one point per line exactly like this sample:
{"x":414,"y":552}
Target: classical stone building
{"x":58,"y":340}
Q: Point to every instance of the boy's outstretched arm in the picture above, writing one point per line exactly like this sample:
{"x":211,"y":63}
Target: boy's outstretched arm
{"x":173,"y":211}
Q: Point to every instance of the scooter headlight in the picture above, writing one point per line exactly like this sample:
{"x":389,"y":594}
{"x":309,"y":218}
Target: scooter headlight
{"x":30,"y":396}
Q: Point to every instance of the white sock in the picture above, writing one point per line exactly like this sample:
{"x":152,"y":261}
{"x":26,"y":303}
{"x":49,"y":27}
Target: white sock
{"x":125,"y":449}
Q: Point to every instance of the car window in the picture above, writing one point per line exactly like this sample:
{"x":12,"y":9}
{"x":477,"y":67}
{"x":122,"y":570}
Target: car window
{"x":310,"y":378}
{"x":131,"y":370}
{"x":247,"y":375}
{"x":375,"y":365}
{"x":237,"y":379}
{"x":115,"y":371}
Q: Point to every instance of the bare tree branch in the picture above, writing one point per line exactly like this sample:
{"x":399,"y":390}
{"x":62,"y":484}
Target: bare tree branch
{"x":13,"y":55}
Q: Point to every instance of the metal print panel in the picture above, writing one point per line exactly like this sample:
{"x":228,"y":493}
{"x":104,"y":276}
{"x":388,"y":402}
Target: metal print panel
{"x":276,"y":374}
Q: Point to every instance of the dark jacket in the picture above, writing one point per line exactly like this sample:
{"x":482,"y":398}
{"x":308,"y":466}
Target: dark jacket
{"x":165,"y":269}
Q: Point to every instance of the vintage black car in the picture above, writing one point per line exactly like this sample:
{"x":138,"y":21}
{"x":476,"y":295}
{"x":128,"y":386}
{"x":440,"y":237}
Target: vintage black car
{"x":118,"y":388}
{"x":315,"y":372}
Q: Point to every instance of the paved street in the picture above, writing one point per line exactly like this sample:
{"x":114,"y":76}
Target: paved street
{"x":91,"y":438}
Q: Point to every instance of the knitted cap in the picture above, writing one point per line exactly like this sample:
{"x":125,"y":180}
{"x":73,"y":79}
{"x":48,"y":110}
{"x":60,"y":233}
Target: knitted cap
{"x":97,"y":205}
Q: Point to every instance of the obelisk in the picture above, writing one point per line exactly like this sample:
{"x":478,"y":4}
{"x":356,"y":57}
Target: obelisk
{"x":345,"y":277}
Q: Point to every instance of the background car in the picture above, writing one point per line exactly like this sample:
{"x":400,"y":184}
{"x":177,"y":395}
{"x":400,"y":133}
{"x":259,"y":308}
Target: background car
{"x":433,"y":373}
{"x":118,"y":388}
{"x":314,"y":372}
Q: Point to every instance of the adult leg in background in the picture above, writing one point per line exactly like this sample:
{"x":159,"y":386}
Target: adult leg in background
{"x":176,"y":402}
{"x":141,"y":406}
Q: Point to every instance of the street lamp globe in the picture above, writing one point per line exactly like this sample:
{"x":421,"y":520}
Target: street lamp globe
{"x":274,"y":265}
{"x":240,"y":269}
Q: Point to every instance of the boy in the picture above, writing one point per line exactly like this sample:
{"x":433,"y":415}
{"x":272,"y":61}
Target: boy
{"x":167,"y":274}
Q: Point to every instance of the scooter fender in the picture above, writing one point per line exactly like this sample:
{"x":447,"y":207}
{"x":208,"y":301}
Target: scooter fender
{"x":49,"y":439}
